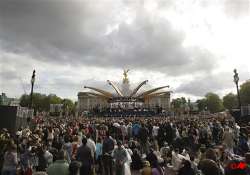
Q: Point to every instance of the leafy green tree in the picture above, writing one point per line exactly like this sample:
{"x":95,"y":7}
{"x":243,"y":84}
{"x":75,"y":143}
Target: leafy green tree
{"x":176,"y":103}
{"x":245,"y":93}
{"x":53,"y":99}
{"x":41,"y":102}
{"x":179,"y":104}
{"x":25,"y":100}
{"x":183,"y":100}
{"x":230,"y":101}
{"x":68,"y":105}
{"x":38,"y":100}
{"x":202,"y":104}
{"x":214,"y":103}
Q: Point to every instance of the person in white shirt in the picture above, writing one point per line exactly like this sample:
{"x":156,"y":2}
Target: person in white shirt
{"x":91,"y":145}
{"x":155,"y":131}
{"x":176,"y":161}
{"x":124,"y":131}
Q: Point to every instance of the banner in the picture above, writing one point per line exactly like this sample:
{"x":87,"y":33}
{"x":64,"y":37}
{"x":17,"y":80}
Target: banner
{"x":23,"y":112}
{"x":55,"y":108}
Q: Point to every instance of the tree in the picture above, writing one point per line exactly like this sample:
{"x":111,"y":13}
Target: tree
{"x":38,"y":101}
{"x":245,"y":93}
{"x":214,"y":103}
{"x":179,"y":104}
{"x":183,"y":100}
{"x":41,"y":102}
{"x":24,"y":100}
{"x":176,"y":103}
{"x":53,"y":99}
{"x":202,"y":104}
{"x":68,"y":105}
{"x":230,"y":101}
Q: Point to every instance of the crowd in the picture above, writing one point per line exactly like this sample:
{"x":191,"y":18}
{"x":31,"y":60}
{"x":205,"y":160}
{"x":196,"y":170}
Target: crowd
{"x":125,"y":146}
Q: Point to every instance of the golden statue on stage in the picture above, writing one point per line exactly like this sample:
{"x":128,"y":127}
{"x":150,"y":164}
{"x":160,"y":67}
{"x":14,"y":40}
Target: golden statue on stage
{"x":125,"y":90}
{"x":125,"y":74}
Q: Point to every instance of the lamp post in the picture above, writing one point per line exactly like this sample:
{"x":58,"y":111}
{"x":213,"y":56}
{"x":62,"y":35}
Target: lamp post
{"x":236,"y":81}
{"x":32,"y":86}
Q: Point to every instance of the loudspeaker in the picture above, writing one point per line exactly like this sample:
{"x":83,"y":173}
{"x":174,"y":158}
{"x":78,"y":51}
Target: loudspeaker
{"x":8,"y":117}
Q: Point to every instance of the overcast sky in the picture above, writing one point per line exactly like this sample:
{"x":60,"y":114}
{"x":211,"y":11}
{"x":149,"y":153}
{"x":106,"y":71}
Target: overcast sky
{"x":191,"y":45}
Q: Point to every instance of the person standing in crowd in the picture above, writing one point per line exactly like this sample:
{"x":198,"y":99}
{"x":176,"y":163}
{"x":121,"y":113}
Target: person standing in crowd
{"x":75,"y":145}
{"x":129,"y":129}
{"x":48,"y":155}
{"x":120,"y":157}
{"x":42,"y":163}
{"x":186,"y":168}
{"x":146,"y":170}
{"x":74,"y":168}
{"x":91,"y":145}
{"x":152,"y":158}
{"x":155,"y":130}
{"x":209,"y":167}
{"x":99,"y":154}
{"x":124,"y":131}
{"x":128,"y":162}
{"x":135,"y":129}
{"x":85,"y":157}
{"x":60,"y":166}
{"x":143,"y":138}
{"x":136,"y":163}
{"x":25,"y":160}
{"x":165,"y":152}
{"x":10,"y":160}
{"x":68,"y":147}
{"x":228,"y":140}
{"x":107,"y":149}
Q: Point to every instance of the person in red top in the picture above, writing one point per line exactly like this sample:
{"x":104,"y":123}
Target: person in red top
{"x":74,"y":147}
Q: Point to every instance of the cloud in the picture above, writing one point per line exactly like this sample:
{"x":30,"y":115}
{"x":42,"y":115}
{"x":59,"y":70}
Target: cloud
{"x":237,"y":8}
{"x":85,"y":42}
{"x":8,"y":75}
{"x":75,"y":33}
{"x":217,"y":82}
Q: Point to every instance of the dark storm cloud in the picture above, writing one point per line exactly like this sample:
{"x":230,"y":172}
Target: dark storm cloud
{"x":49,"y":29}
{"x":72,"y":32}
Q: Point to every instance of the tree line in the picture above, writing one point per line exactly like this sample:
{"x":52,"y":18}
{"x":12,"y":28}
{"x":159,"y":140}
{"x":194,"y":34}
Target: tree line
{"x":213,"y":103}
{"x":41,"y":102}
